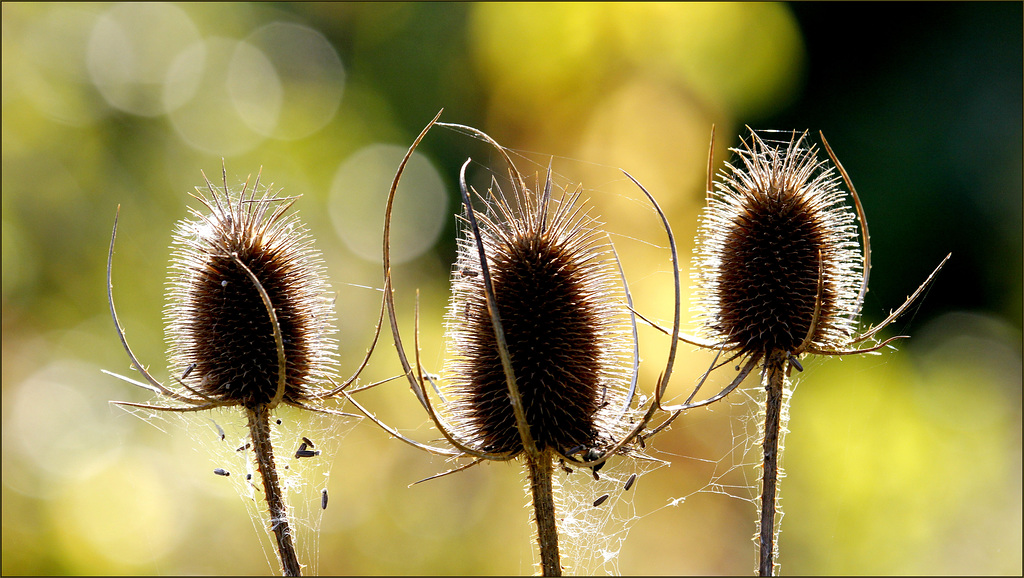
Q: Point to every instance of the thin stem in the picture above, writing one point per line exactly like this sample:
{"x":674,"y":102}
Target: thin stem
{"x":259,"y":428}
{"x":157,"y":386}
{"x":541,"y":474}
{"x":774,"y":380}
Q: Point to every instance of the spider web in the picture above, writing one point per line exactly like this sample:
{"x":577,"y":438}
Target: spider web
{"x":596,"y":516}
{"x":592,"y":537}
{"x":223,"y":435}
{"x":736,"y":474}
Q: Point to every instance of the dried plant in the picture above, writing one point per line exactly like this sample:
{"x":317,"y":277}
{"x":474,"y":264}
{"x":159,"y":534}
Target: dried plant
{"x":249,"y":316}
{"x":780,"y":274}
{"x":540,"y":364}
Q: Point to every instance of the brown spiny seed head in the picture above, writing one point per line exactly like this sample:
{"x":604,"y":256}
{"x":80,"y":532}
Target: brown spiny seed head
{"x":562,"y":311}
{"x":776,"y":223}
{"x":216,"y":321}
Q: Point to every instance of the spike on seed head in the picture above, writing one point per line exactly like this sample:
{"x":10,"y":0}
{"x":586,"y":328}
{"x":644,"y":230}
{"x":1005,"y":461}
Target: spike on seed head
{"x":554,"y":284}
{"x":217,"y":323}
{"x":780,"y":265}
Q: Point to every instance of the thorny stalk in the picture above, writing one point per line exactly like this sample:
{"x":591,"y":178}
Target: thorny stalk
{"x":263,"y":449}
{"x":541,"y":471}
{"x":259,"y":428}
{"x":774,"y":382}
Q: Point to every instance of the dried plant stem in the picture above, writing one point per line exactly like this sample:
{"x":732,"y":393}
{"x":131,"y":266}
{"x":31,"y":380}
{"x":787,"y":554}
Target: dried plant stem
{"x":774,"y":382}
{"x":259,"y":428}
{"x":541,"y":476}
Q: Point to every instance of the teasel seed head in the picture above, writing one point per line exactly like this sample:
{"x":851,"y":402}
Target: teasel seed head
{"x":220,"y":335}
{"x":779,"y":261}
{"x":559,"y":301}
{"x":782,"y":272}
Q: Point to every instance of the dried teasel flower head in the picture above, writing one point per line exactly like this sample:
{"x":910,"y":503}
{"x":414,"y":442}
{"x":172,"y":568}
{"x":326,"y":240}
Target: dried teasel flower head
{"x":780,"y":266}
{"x":249,"y":317}
{"x":542,"y":344}
{"x":780,"y":273}
{"x":564,"y":321}
{"x":781,"y":270}
{"x":236,"y":254}
{"x":542,"y":340}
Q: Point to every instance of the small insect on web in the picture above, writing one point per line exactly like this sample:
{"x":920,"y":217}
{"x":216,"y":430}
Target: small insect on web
{"x":534,"y":282}
{"x":249,"y":323}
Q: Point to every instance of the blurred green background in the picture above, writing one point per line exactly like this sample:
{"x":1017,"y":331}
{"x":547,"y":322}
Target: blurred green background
{"x":904,"y":463}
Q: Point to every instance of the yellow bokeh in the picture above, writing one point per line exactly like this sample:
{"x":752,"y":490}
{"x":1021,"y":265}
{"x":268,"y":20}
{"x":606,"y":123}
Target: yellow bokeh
{"x":905,"y":462}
